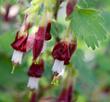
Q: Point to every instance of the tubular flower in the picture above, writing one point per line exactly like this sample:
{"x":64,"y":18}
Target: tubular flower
{"x":35,"y":73}
{"x":19,"y":46}
{"x":33,"y":97}
{"x":38,"y":42}
{"x":62,"y":53}
{"x":47,"y":36}
{"x":48,"y":28}
{"x":20,"y":43}
{"x":66,"y":95}
{"x":71,"y":4}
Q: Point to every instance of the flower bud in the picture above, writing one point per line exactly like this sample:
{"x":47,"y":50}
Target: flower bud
{"x":71,"y":4}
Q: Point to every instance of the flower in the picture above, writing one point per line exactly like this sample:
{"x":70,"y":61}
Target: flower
{"x":62,"y":53}
{"x":66,"y":94}
{"x":20,"y":43}
{"x":19,"y":46}
{"x":47,"y":36}
{"x":38,"y":42}
{"x":48,"y":28}
{"x":70,"y":6}
{"x":35,"y":73}
{"x":33,"y":97}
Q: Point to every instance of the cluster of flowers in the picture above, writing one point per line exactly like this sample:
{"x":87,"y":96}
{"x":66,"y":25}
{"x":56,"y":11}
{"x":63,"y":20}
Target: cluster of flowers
{"x":61,"y":53}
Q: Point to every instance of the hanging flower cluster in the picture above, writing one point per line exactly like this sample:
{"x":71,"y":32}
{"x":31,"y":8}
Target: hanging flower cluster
{"x":36,"y":42}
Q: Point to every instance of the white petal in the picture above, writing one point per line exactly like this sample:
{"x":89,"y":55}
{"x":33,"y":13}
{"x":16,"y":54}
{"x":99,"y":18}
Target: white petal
{"x":17,"y":57}
{"x":63,"y":71}
{"x":33,"y":83}
{"x":58,"y":66}
{"x":13,"y":11}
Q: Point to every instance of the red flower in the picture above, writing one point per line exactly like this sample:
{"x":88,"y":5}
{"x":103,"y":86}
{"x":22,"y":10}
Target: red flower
{"x":33,"y":97}
{"x":36,"y":70}
{"x":20,"y":42}
{"x":63,"y":51}
{"x":72,"y":47}
{"x":66,"y":95}
{"x":70,"y":6}
{"x":38,"y":42}
{"x":48,"y":28}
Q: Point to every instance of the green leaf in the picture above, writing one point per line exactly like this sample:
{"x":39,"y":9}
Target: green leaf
{"x":57,"y":28}
{"x":86,"y":80}
{"x":87,"y":24}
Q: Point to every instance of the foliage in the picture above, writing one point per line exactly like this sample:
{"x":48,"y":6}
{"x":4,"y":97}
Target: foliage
{"x":89,"y":26}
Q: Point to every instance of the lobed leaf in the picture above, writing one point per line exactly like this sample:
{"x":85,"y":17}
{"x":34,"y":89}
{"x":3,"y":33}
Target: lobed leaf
{"x":88,"y":25}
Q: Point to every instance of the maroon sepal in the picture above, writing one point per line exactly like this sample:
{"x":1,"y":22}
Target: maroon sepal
{"x":66,"y":95}
{"x":48,"y":28}
{"x":20,"y":42}
{"x":61,"y":51}
{"x":72,"y":47}
{"x":70,"y":7}
{"x":36,"y":69}
{"x":33,"y":97}
{"x":38,"y":42}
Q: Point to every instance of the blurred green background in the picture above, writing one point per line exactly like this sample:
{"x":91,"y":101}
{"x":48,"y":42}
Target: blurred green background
{"x":93,"y":81}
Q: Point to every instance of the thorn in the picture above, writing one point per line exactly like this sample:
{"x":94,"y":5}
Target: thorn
{"x":13,"y":69}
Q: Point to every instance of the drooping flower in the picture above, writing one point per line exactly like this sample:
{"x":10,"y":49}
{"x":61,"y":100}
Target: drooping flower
{"x":38,"y":42}
{"x":47,"y":36}
{"x":71,"y":4}
{"x":33,"y":97}
{"x":48,"y":28}
{"x":19,"y":46}
{"x":62,"y":53}
{"x":66,"y":94}
{"x":20,"y":43}
{"x":35,"y":73}
{"x":42,"y":35}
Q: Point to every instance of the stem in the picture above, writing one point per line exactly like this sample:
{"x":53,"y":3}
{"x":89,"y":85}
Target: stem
{"x":57,"y":8}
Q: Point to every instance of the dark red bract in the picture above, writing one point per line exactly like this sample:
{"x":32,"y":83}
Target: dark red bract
{"x":72,"y":47}
{"x":33,"y":97}
{"x":69,"y":9}
{"x":66,"y":95}
{"x":38,"y":42}
{"x":36,"y":70}
{"x":48,"y":28}
{"x":63,"y":51}
{"x":70,"y":6}
{"x":20,"y":42}
{"x":40,"y":35}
